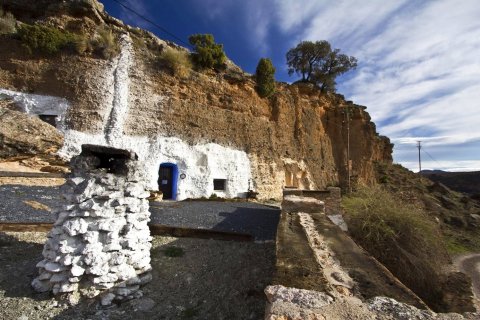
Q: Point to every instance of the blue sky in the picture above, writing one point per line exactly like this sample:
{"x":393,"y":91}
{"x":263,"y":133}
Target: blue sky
{"x":419,"y":60}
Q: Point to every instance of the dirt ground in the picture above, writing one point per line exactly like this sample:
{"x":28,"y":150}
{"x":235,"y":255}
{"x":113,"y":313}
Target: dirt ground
{"x":16,"y":166}
{"x":20,"y":166}
{"x":210,"y":279}
{"x":470,"y":265}
{"x":45,"y":182}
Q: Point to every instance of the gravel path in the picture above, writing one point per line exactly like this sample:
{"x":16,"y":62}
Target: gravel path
{"x":14,"y":209}
{"x":470,"y":265}
{"x":243,"y":217}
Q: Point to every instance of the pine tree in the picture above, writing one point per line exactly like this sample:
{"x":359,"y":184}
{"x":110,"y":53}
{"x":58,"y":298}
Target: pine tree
{"x":265,"y":76}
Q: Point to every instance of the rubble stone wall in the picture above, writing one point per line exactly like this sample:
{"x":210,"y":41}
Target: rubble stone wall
{"x":100,"y":243}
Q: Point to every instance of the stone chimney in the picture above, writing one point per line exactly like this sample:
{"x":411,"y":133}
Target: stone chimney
{"x":100,"y":243}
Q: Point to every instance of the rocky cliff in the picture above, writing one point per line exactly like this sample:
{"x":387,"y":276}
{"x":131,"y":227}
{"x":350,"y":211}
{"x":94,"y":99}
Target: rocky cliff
{"x":296,"y":138}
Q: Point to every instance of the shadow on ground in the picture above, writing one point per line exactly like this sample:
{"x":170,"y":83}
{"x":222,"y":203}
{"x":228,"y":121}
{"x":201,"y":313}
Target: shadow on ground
{"x":18,"y":258}
{"x":209,"y":279}
{"x":258,"y":220}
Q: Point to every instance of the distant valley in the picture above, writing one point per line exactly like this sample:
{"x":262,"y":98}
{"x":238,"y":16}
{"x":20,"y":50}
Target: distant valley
{"x":466,"y":182}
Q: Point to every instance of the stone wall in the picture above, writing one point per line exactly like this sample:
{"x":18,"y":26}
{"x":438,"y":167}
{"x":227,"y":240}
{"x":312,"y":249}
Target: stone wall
{"x":314,"y":254}
{"x":100,"y":242}
{"x":332,"y":198}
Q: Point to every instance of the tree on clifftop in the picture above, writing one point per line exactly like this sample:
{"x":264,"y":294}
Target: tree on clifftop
{"x":265,"y":76}
{"x":208,"y":54}
{"x":318,"y":63}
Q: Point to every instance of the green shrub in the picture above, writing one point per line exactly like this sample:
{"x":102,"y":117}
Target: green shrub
{"x":7,"y":22}
{"x":265,"y":76}
{"x":174,"y":252}
{"x":208,"y":54}
{"x":189,"y":313}
{"x":176,"y":61}
{"x":82,"y":44}
{"x":383,"y":179}
{"x":46,"y":40}
{"x":105,"y":44}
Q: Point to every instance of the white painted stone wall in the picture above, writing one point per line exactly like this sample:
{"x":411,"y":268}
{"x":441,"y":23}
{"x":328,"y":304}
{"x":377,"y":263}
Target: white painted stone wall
{"x":100,"y":242}
{"x":200,"y":163}
{"x":118,"y":109}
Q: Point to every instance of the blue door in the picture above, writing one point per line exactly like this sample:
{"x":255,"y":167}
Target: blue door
{"x":167,"y":180}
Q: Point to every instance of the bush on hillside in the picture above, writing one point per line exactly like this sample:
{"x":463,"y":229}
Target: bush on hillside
{"x":82,"y":44}
{"x":382,"y":220}
{"x":400,"y":236}
{"x":208,"y":54}
{"x":7,"y":22}
{"x":176,"y":61}
{"x":43,"y":39}
{"x":105,"y":43}
{"x":265,"y":77}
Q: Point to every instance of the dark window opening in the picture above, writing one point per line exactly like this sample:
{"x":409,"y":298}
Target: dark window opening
{"x":49,"y":118}
{"x":113,"y":164}
{"x":219,"y":184}
{"x":111,"y":159}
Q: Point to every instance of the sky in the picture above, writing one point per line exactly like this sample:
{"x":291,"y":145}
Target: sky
{"x":418,"y":60}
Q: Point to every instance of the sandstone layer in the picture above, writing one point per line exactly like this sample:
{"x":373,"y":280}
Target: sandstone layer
{"x":297,"y":138}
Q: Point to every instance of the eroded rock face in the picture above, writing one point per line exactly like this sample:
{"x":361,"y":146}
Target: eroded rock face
{"x":24,"y":135}
{"x":297,"y":138}
{"x":100,"y":242}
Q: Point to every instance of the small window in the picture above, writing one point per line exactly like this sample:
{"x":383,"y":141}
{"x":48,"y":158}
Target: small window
{"x":49,"y":118}
{"x":219,"y":184}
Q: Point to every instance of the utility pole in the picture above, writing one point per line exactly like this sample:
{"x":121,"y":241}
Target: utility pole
{"x":419,"y":146}
{"x":349,"y":164}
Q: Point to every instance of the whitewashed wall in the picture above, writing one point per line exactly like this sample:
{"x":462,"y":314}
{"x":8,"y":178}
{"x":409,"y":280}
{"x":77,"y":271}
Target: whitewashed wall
{"x":200,"y":163}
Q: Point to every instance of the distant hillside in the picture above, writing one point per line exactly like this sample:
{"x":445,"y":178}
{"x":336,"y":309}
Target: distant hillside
{"x":467,"y":182}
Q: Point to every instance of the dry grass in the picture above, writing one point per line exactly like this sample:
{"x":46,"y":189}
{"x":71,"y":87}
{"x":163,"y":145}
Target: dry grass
{"x":382,"y":219}
{"x":104,"y":43}
{"x":37,"y":205}
{"x":178,"y":62}
{"x":82,"y":44}
{"x":7,"y":22}
{"x":402,"y":237}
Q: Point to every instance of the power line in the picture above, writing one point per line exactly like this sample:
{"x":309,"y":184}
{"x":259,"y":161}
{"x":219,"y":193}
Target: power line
{"x":419,"y":146}
{"x":153,"y":23}
{"x":428,"y":154}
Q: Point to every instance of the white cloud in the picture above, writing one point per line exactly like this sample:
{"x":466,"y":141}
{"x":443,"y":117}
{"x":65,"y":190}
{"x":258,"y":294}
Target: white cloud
{"x":343,"y":22}
{"x":419,"y":66}
{"x":214,"y":9}
{"x":258,"y":23}
{"x":457,"y":165}
{"x":291,"y":14}
{"x":419,"y":61}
